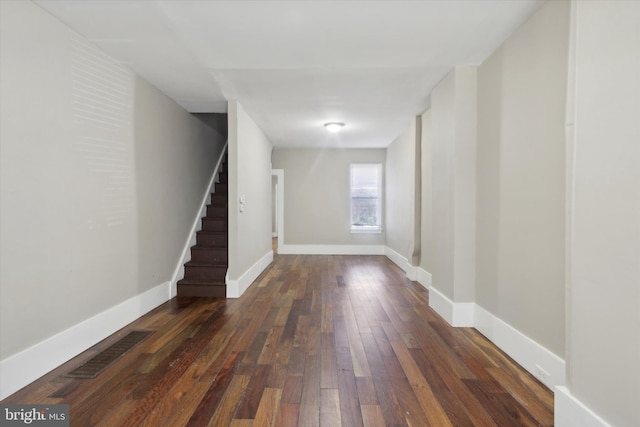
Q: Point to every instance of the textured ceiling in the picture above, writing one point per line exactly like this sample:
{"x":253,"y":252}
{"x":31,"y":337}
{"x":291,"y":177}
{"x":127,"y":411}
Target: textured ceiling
{"x":295,"y":65}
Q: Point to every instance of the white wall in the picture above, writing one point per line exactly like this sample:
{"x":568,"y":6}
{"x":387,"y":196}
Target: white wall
{"x":493,"y":191}
{"x":464,"y":176}
{"x":400,"y":191}
{"x":249,"y":176}
{"x":426,"y":208}
{"x":451,"y":148}
{"x":521,"y":178}
{"x":604,"y":289}
{"x":175,"y":158}
{"x":100,"y":180}
{"x":442,"y":184}
{"x":316,"y":195}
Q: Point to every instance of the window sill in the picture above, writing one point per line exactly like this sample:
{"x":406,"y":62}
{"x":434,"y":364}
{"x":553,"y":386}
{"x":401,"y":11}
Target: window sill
{"x":366,"y":230}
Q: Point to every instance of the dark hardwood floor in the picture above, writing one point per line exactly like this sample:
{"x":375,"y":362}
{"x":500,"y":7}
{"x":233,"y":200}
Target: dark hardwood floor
{"x":317,"y":340}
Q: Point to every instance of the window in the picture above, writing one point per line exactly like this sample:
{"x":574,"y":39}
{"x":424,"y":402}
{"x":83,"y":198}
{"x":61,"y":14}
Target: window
{"x":366,"y":198}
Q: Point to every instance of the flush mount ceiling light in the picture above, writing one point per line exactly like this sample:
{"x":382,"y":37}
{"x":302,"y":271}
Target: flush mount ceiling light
{"x":334,"y":127}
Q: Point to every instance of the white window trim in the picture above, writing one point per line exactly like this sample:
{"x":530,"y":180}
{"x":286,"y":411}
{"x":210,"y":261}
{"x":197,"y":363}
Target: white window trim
{"x":367,"y":229}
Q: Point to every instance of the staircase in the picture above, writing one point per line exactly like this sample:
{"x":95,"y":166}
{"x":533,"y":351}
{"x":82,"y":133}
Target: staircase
{"x":204,"y":275}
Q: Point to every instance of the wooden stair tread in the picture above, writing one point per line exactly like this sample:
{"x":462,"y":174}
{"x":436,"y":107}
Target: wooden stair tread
{"x":212,"y":232}
{"x":204,"y":274}
{"x":199,"y":246}
{"x":201,"y":282}
{"x":205,"y":264}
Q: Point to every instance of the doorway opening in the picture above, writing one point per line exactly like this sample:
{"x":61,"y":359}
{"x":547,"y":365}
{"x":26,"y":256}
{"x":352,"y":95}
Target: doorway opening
{"x":277,"y":209}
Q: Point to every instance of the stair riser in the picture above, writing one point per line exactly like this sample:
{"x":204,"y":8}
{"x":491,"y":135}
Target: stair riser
{"x":209,"y":255}
{"x":216,"y":212}
{"x":214,"y":224}
{"x":213,"y":291}
{"x":211,"y":240}
{"x":218,"y":199}
{"x":205,"y":273}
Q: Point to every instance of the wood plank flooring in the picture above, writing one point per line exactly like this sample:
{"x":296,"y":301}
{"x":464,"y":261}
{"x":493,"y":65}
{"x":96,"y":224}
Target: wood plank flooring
{"x":315,"y":341}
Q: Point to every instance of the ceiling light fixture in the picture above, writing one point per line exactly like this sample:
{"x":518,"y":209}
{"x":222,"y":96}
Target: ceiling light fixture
{"x":334,"y":127}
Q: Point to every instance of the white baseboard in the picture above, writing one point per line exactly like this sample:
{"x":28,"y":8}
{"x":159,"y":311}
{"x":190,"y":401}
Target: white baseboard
{"x":401,"y":262}
{"x":178,"y":272}
{"x":331,"y":250}
{"x":570,"y":412}
{"x":542,"y":363}
{"x":236,"y":287}
{"x":441,"y":305}
{"x":459,"y":314}
{"x":424,"y":277}
{"x":464,"y":314}
{"x":25,"y":367}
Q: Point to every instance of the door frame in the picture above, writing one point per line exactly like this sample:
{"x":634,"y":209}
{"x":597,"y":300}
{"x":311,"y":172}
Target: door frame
{"x":279,"y":208}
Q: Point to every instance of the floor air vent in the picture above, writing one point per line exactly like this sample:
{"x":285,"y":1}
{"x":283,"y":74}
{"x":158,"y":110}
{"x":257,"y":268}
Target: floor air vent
{"x":100,"y":361}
